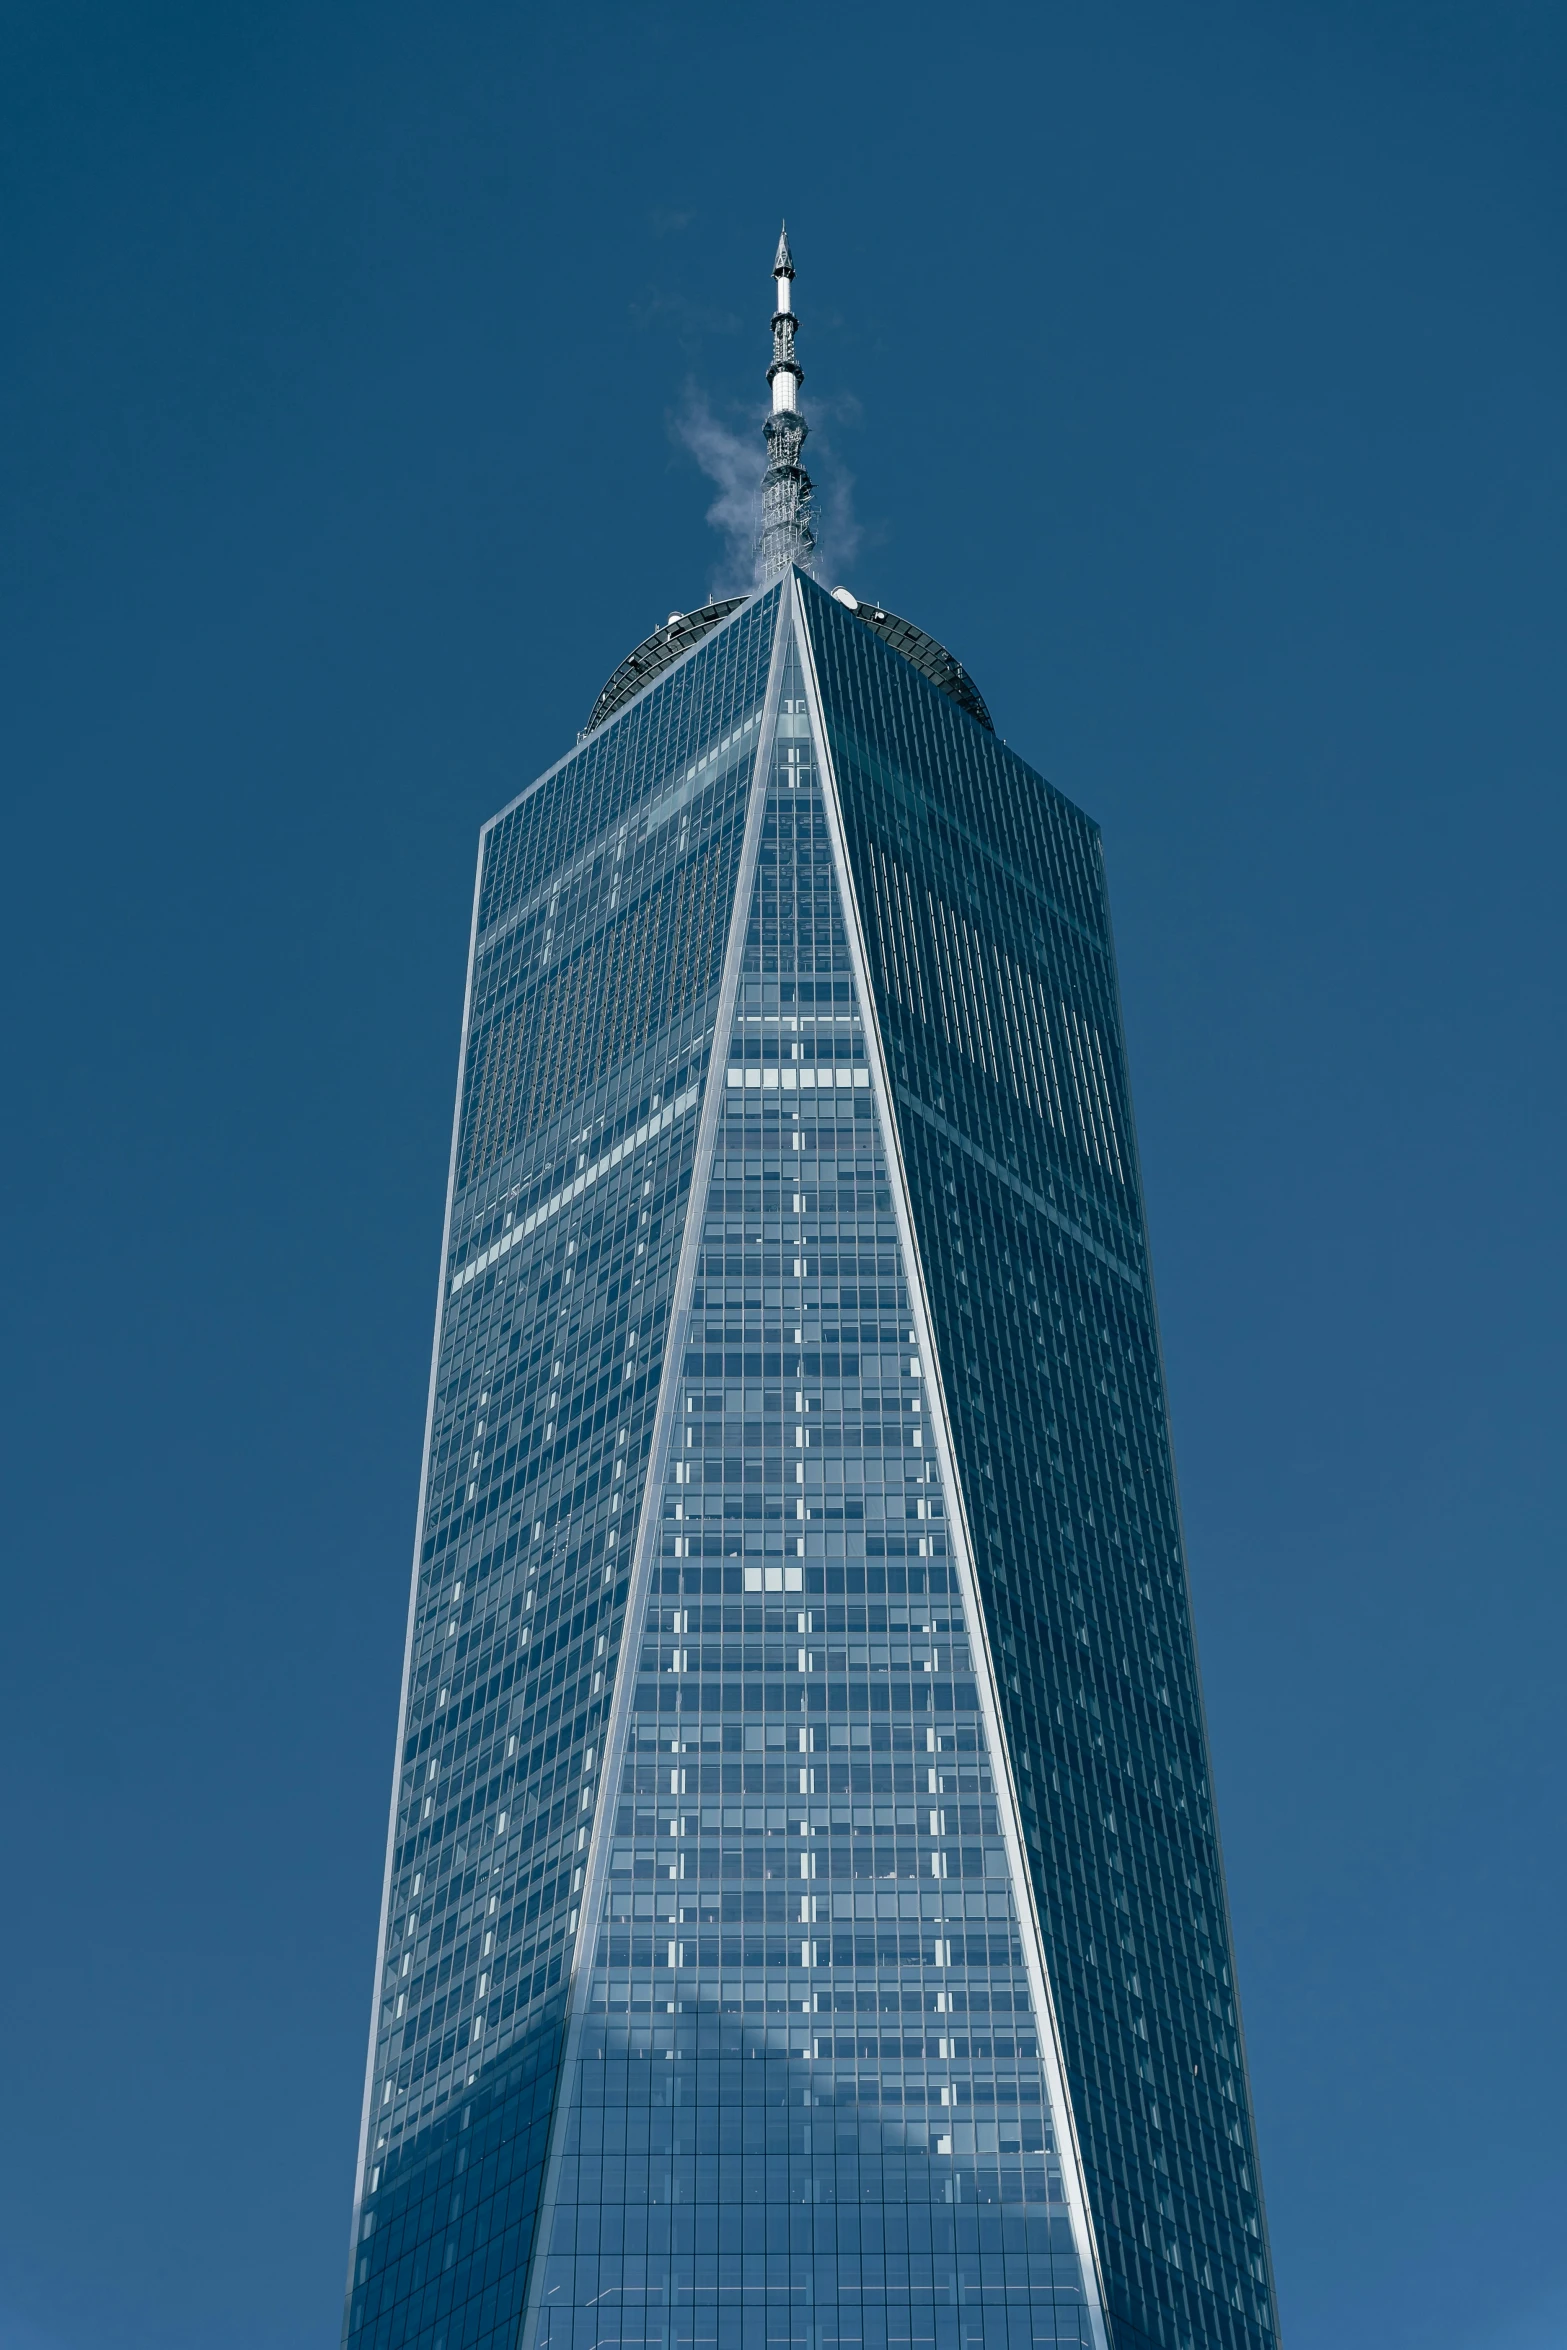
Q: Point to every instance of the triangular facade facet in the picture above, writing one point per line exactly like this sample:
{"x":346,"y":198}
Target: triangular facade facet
{"x":809,"y":2048}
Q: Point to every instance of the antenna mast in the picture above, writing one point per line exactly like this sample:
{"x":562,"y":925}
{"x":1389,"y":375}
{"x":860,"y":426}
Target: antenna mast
{"x":787,"y":536}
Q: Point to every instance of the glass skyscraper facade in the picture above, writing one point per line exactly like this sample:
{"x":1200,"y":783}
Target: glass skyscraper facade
{"x":804,"y":1922}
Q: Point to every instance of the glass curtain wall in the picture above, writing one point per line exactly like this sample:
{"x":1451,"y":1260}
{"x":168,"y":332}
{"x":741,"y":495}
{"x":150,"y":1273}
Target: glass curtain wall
{"x":710,"y":1999}
{"x":603,"y":908}
{"x":984,"y":908}
{"x":804,"y":2101}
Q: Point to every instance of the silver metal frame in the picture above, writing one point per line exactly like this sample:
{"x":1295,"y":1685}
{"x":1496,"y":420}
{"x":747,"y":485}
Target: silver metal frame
{"x":649,"y":1526}
{"x":442,"y":1306}
{"x":1032,"y":1938}
{"x":791,"y":628}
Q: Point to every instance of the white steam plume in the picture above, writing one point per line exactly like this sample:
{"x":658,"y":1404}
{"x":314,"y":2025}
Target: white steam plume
{"x":735,"y":465}
{"x":838,"y":533}
{"x":734,"y":461}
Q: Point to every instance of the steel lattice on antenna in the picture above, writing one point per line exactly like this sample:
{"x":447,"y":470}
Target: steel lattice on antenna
{"x":787,"y":536}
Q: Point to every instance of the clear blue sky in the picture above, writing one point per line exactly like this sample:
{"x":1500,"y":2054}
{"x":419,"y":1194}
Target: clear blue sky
{"x":1196,"y":373}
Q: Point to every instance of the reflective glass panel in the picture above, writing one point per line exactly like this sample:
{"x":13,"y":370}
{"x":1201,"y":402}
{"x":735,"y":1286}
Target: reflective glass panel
{"x":804,"y":2100}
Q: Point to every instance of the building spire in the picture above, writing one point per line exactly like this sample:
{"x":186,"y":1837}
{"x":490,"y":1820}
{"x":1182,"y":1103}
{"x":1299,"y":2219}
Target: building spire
{"x":787,"y":536}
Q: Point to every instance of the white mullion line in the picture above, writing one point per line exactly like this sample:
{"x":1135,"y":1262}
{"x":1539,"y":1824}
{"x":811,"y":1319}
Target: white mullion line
{"x":649,"y":1529}
{"x":1007,"y":1026}
{"x":973,"y":949}
{"x":1038,"y":1057}
{"x":1090,"y":1088}
{"x":889,"y":962}
{"x":1036,"y":1092}
{"x":1079,"y":1081}
{"x":946,"y":976}
{"x":1075,"y":1068}
{"x":1016,"y":1041}
{"x":952,"y":1018}
{"x":1040,"y":1029}
{"x":995,"y":1025}
{"x":1088,"y":1047}
{"x":909,"y":935}
{"x":938,"y":967}
{"x":908,"y":925}
{"x":1030,"y":1933}
{"x":900,"y":934}
{"x":972,"y":1037}
{"x":1046,"y":1029}
{"x":952,"y":948}
{"x":1109,"y":1104}
{"x":971,"y":995}
{"x":886,"y":934}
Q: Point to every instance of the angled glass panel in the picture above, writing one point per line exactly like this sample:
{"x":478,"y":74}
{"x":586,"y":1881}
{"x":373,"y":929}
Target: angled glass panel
{"x":982,"y":901}
{"x":806,"y":1952}
{"x":804,"y":2100}
{"x":604,"y":903}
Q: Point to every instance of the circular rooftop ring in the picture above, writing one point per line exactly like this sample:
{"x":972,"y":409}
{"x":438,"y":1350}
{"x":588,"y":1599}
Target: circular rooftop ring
{"x":679,"y":633}
{"x":682,"y":630}
{"x":931,"y":660}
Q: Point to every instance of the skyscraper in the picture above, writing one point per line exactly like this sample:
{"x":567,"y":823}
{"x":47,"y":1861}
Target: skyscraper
{"x":804,"y":1922}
